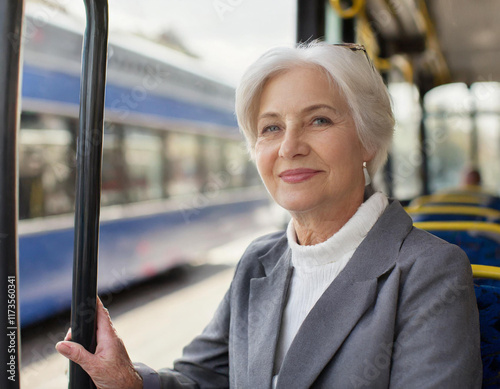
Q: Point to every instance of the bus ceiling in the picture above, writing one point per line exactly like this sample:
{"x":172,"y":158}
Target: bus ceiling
{"x":469,"y":36}
{"x":442,"y":40}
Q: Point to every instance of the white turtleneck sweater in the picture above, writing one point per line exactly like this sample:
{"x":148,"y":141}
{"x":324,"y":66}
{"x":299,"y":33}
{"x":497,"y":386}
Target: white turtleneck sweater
{"x":315,"y":267}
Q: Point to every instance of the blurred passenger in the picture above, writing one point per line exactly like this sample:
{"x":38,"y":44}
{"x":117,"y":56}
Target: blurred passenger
{"x":351,"y":294}
{"x":471,"y":177}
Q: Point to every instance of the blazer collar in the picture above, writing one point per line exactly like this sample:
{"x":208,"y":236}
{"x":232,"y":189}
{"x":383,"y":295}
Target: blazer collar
{"x":379,"y":250}
{"x":271,"y":259}
{"x":382,"y":242}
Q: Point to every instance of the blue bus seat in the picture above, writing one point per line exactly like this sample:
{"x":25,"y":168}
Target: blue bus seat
{"x":459,"y":197}
{"x":449,"y":198}
{"x":479,"y":240}
{"x":438,"y":212}
{"x":488,"y":303}
{"x":475,"y":190}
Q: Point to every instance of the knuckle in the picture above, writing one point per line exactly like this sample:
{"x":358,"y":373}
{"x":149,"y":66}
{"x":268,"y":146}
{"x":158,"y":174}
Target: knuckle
{"x":77,"y":356}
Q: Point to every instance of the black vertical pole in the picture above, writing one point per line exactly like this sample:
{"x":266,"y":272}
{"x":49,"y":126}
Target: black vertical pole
{"x":424,"y":82}
{"x":11,"y":15}
{"x":310,"y":20}
{"x":349,"y":30}
{"x":88,"y":186}
{"x":424,"y":167}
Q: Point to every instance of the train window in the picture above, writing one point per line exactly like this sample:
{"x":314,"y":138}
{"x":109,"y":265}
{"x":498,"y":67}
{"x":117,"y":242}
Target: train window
{"x":212,"y":165}
{"x":114,"y":174}
{"x":143,"y":158}
{"x":46,"y":180}
{"x":210,"y":161}
{"x":405,"y":153}
{"x":181,"y":152}
{"x":236,"y":159}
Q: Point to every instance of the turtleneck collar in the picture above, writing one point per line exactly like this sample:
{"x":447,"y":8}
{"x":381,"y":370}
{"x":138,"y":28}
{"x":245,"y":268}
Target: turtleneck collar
{"x":343,"y":242}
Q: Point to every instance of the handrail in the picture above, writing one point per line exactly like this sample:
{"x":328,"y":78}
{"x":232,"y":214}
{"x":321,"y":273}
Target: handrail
{"x":382,"y":64}
{"x":433,"y":43}
{"x":483,"y":271}
{"x":459,"y":226}
{"x":88,"y":186}
{"x":451,"y":198}
{"x":11,"y":16}
{"x":356,"y":8}
{"x":364,"y":30}
{"x":454,"y":209}
{"x":404,"y":65}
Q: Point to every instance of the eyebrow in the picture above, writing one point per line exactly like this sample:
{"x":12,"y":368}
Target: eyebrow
{"x":319,"y":106}
{"x":309,"y":109}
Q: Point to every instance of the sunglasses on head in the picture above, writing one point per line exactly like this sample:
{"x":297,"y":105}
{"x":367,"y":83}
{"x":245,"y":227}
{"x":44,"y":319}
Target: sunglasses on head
{"x":356,"y":47}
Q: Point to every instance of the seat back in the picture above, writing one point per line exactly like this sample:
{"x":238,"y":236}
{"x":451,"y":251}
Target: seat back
{"x":488,"y":303}
{"x":449,"y":198}
{"x":460,"y":197}
{"x":479,"y":240}
{"x":453,"y":213}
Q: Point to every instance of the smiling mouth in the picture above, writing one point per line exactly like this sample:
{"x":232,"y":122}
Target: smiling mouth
{"x":294,"y":176}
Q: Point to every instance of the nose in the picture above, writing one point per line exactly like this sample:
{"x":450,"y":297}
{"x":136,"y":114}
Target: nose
{"x":293,"y":143}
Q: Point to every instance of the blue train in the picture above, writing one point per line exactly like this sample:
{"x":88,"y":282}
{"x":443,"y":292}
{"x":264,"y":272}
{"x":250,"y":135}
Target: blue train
{"x":176,"y":178}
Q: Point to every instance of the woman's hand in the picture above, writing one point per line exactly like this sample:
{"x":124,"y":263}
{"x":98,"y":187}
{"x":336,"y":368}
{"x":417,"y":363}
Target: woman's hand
{"x":110,"y":366}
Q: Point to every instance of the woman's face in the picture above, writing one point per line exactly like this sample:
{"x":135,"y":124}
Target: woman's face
{"x":307,"y":151}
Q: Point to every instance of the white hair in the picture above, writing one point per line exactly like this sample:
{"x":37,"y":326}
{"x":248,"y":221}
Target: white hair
{"x":350,"y":70}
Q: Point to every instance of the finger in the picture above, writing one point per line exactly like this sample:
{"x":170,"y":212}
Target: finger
{"x":104,"y":325}
{"x":68,"y":335}
{"x":76,"y":353}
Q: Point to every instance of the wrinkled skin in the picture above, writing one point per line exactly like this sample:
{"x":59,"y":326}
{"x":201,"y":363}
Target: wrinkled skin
{"x":110,"y":366}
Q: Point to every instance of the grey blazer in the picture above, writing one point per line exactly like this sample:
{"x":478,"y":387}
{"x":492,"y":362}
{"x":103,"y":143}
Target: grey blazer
{"x":402,"y":314}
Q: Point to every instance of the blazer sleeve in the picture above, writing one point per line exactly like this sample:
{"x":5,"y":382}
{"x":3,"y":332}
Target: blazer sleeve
{"x":437,"y":340}
{"x":204,"y":363}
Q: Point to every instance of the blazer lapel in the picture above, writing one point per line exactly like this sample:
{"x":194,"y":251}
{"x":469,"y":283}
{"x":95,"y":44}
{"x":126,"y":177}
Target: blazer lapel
{"x":266,"y":304}
{"x":324,"y":331}
{"x":345,"y":301}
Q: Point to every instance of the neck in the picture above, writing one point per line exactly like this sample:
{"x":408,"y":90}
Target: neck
{"x":313,"y":227}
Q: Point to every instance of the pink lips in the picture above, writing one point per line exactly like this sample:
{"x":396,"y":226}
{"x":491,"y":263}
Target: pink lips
{"x":294,"y":176}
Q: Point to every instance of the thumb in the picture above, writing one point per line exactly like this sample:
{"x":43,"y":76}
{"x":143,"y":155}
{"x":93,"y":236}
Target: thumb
{"x":76,"y":353}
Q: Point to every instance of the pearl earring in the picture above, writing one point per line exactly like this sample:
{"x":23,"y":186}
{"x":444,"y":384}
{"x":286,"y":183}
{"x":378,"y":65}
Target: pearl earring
{"x":367,"y":175}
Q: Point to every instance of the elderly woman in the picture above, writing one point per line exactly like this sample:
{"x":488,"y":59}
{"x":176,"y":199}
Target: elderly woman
{"x":351,"y":295}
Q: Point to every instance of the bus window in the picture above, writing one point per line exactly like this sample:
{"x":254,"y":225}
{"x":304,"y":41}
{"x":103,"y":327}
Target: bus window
{"x":46,"y":184}
{"x":448,"y":128}
{"x":143,"y":158}
{"x":181,"y":153}
{"x":487,"y":102}
{"x":405,"y":153}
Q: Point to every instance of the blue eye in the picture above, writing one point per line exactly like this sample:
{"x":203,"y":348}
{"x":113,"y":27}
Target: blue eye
{"x":271,"y":128}
{"x":321,"y":121}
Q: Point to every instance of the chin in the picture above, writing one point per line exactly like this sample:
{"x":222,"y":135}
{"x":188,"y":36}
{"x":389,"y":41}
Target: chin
{"x":297,"y":206}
